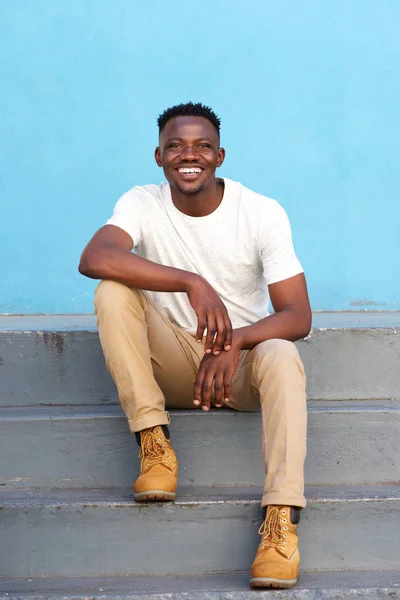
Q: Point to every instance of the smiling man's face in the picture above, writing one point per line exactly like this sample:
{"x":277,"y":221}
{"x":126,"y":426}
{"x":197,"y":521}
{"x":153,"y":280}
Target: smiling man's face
{"x":189,"y":153}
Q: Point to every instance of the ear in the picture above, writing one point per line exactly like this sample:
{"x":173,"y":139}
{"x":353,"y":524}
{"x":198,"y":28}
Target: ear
{"x":157,"y":156}
{"x":221,"y":156}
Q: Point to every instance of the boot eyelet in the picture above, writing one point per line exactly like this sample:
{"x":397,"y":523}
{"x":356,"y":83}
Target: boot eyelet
{"x":284,"y":512}
{"x":285,"y":528}
{"x":284,"y":521}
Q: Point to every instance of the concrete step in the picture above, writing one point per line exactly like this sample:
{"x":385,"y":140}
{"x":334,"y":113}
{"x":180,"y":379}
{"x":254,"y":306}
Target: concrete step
{"x":353,"y":442}
{"x":105,"y":533}
{"x":370,"y":585}
{"x":58,"y":359}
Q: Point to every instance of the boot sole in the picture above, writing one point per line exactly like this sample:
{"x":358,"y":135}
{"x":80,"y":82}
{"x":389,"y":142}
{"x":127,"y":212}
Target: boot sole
{"x":271,"y":582}
{"x":155,"y":496}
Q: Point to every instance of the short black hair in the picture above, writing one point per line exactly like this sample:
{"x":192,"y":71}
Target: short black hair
{"x":189,"y":110}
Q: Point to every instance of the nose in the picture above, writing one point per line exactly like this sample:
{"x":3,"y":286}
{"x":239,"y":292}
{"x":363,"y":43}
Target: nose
{"x":189,"y":153}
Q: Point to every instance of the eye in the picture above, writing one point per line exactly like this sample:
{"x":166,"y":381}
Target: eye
{"x":174,"y":145}
{"x":204,"y":145}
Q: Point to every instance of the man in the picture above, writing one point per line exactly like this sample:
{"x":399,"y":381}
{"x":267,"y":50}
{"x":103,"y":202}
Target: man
{"x":210,"y":252}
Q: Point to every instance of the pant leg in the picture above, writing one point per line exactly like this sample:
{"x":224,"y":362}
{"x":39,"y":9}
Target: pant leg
{"x":149,"y":358}
{"x":272,"y":376}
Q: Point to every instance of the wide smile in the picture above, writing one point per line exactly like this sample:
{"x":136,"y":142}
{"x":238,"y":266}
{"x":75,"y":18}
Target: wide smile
{"x":189,"y":173}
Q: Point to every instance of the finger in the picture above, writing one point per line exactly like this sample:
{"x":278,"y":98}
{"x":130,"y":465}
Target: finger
{"x":227,"y":382}
{"x":221,"y":332}
{"x":211,"y":331}
{"x":201,"y":326}
{"x":206,"y":390}
{"x":218,"y":389}
{"x":228,"y":333}
{"x":198,"y":384}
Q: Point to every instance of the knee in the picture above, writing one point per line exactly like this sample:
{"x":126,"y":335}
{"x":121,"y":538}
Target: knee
{"x":111,"y":295}
{"x":279,"y":353}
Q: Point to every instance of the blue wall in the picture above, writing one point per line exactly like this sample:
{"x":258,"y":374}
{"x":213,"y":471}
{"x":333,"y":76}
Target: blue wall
{"x":308,"y":93}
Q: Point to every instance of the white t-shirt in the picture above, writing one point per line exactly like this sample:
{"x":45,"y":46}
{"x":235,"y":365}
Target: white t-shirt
{"x":240,"y":248}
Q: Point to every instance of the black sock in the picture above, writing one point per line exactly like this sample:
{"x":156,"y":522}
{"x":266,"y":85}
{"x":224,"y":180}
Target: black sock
{"x":165,"y":431}
{"x":294,"y":514}
{"x":163,"y":427}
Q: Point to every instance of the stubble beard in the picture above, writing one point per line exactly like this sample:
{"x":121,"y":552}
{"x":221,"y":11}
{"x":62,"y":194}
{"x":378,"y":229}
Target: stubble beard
{"x":190,"y":189}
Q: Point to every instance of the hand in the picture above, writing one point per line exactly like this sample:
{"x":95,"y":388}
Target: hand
{"x":216,"y":372}
{"x":211,"y":314}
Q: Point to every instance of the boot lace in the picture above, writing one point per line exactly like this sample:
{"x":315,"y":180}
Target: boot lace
{"x":274,"y":528}
{"x":154,"y":450}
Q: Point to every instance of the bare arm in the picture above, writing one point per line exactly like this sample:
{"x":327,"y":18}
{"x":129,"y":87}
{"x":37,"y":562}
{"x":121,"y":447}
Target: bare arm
{"x":291,"y":320}
{"x":108,"y":256}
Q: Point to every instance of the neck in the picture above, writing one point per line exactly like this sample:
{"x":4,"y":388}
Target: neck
{"x":201,"y":204}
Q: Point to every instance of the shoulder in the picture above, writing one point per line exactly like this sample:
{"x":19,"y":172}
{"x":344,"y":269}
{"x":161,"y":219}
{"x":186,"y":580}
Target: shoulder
{"x":142,"y":192}
{"x":258,"y":206}
{"x":135,"y":209}
{"x":139,"y":198}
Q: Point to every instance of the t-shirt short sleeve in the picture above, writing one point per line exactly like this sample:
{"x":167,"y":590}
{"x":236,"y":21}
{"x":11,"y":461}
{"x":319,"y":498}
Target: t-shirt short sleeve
{"x":127,"y":214}
{"x":278,"y":256}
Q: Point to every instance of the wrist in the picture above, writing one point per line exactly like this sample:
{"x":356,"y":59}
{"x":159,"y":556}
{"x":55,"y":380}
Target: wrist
{"x":190,"y":281}
{"x":238,"y":339}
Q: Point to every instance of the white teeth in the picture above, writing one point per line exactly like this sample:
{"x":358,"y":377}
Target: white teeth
{"x":189,"y":171}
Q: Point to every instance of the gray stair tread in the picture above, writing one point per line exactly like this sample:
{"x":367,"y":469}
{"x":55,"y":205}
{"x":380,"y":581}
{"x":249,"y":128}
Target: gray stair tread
{"x":66,"y":366}
{"x":114,"y":410}
{"x":333,"y":585}
{"x":29,"y":323}
{"x":207,"y":530}
{"x":116,"y":497}
{"x":91,"y":446}
{"x":321,"y":320}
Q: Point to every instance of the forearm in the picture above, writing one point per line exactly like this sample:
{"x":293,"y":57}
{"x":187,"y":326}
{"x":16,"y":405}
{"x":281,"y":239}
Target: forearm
{"x":135,"y":271}
{"x":289,"y":324}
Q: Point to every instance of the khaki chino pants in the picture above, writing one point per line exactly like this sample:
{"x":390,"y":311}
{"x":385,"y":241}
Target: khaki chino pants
{"x":154,"y":363}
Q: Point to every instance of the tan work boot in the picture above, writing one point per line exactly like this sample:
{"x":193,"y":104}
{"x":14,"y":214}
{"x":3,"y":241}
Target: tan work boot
{"x":278,"y":558}
{"x":158,"y":469}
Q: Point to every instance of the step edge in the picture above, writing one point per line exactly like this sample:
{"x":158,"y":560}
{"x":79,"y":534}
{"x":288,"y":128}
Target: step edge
{"x":112,"y":411}
{"x":331,"y":320}
{"x":357,"y":580}
{"x":197,"y":496}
